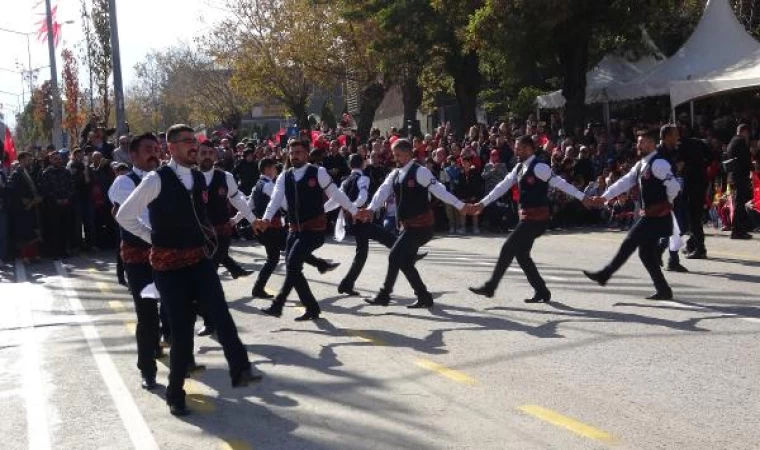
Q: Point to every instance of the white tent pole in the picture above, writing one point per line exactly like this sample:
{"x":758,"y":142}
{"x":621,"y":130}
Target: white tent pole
{"x":538,"y":112}
{"x":691,"y":107}
{"x":607,"y":114}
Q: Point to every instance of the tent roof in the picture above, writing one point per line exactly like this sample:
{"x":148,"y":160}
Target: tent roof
{"x":611,"y":70}
{"x":743,"y":75}
{"x":719,"y":41}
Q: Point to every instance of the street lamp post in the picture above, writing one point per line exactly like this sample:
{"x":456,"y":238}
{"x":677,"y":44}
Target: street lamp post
{"x":57,"y":132}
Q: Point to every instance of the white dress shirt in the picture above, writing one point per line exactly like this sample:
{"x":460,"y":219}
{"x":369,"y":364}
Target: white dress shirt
{"x":660,"y":169}
{"x":362,"y":183}
{"x":425,"y":179}
{"x":278,"y":199}
{"x":121,"y":189}
{"x":543,"y":172}
{"x":237,"y":198}
{"x":147,"y":191}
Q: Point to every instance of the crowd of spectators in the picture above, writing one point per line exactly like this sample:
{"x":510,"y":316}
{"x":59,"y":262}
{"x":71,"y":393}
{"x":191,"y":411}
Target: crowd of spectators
{"x":54,"y":203}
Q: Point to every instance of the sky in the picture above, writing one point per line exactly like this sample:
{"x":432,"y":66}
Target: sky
{"x":144,"y":25}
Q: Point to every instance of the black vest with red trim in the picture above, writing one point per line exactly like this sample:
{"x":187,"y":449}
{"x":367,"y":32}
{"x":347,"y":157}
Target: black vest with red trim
{"x":305,"y":197}
{"x":652,"y":189}
{"x":218,"y":206}
{"x":351,"y":186}
{"x":176,"y":214}
{"x":534,"y":192}
{"x":411,"y":198}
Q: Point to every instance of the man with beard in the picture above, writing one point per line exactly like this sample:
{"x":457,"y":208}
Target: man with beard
{"x":135,"y":252}
{"x":301,"y":188}
{"x":411,"y":185}
{"x":659,"y":189}
{"x":533,"y":179}
{"x":183,"y":271}
{"x":222,"y":191}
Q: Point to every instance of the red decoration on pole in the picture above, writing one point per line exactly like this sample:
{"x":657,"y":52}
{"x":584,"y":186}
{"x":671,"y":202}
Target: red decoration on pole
{"x":10,"y":147}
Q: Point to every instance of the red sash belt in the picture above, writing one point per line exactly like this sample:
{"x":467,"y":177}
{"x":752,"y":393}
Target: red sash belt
{"x":538,"y":214}
{"x":132,"y":254}
{"x":661,"y":209}
{"x":425,"y":220}
{"x":163,"y":259}
{"x":318,"y":223}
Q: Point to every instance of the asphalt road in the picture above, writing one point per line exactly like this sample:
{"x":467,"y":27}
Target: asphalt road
{"x":596,"y":368}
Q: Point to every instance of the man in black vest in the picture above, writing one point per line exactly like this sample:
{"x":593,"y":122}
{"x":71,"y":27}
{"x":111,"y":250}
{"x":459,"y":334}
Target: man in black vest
{"x":135,"y":253}
{"x":301,"y":188}
{"x":222,"y":191}
{"x":533,"y":179}
{"x":659,"y":188}
{"x":273,"y":239}
{"x":410,"y":183}
{"x":356,"y":187}
{"x":184,"y":273}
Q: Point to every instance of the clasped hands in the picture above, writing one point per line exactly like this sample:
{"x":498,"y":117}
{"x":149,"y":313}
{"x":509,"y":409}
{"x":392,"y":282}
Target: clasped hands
{"x":472,"y":209}
{"x":594,"y":202}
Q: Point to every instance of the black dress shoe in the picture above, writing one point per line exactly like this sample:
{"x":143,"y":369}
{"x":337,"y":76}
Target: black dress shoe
{"x":308,"y":315}
{"x":425,"y":302}
{"x":420,"y":256}
{"x":159,"y":352}
{"x":348,"y":291}
{"x":245,"y":378}
{"x":148,"y":383}
{"x":178,"y":410}
{"x":699,"y":254}
{"x":484,"y":290}
{"x":274,"y":311}
{"x":661,"y":296}
{"x":123,"y":282}
{"x":243,"y":273}
{"x":741,"y":236}
{"x":328,"y":267}
{"x":545,"y":297}
{"x":599,"y":277}
{"x":381,"y":299}
{"x":261,"y":293}
{"x":676,"y":267}
{"x":206,"y":330}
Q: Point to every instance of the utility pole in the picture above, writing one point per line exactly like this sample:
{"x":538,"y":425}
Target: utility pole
{"x":57,"y":133}
{"x":118,"y":87}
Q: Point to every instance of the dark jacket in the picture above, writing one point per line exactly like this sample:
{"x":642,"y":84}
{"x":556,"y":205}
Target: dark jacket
{"x":741,"y":168}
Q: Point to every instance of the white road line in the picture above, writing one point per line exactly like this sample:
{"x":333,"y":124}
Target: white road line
{"x":138,"y":430}
{"x":33,"y":387}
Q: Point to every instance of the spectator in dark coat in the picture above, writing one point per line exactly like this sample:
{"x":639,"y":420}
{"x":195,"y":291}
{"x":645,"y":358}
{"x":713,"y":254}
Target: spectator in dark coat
{"x":739,"y":181}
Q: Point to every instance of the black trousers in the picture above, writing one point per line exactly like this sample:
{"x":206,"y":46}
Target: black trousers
{"x":273,"y":240}
{"x":298,"y":249}
{"x":363,"y":232}
{"x":740,"y":222}
{"x":222,"y":255}
{"x":147,"y":332}
{"x":644,"y":235}
{"x":58,"y":227}
{"x":695,"y":199}
{"x":179,"y":290}
{"x":518,"y":246}
{"x":403,"y":258}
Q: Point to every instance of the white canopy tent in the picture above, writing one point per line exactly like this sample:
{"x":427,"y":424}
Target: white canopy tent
{"x":718,"y":42}
{"x":612,"y":70}
{"x":743,"y":75}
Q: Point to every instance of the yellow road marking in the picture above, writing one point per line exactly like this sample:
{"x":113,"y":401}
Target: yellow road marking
{"x":117,"y":306}
{"x":451,"y":374}
{"x":234,"y":444}
{"x":568,"y":423}
{"x":366,"y":337}
{"x":104,"y":288}
{"x":196,"y":399}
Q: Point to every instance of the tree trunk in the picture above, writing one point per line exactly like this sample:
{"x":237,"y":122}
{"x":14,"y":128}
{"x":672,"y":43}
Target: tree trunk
{"x":573,"y":57}
{"x":297,"y":107}
{"x":412,"y":97}
{"x":370,"y":98}
{"x":467,"y":84}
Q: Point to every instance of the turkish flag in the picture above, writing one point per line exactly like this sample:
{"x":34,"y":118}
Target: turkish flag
{"x":10,"y":147}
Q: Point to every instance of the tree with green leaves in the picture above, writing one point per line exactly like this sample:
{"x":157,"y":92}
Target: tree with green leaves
{"x":97,"y":32}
